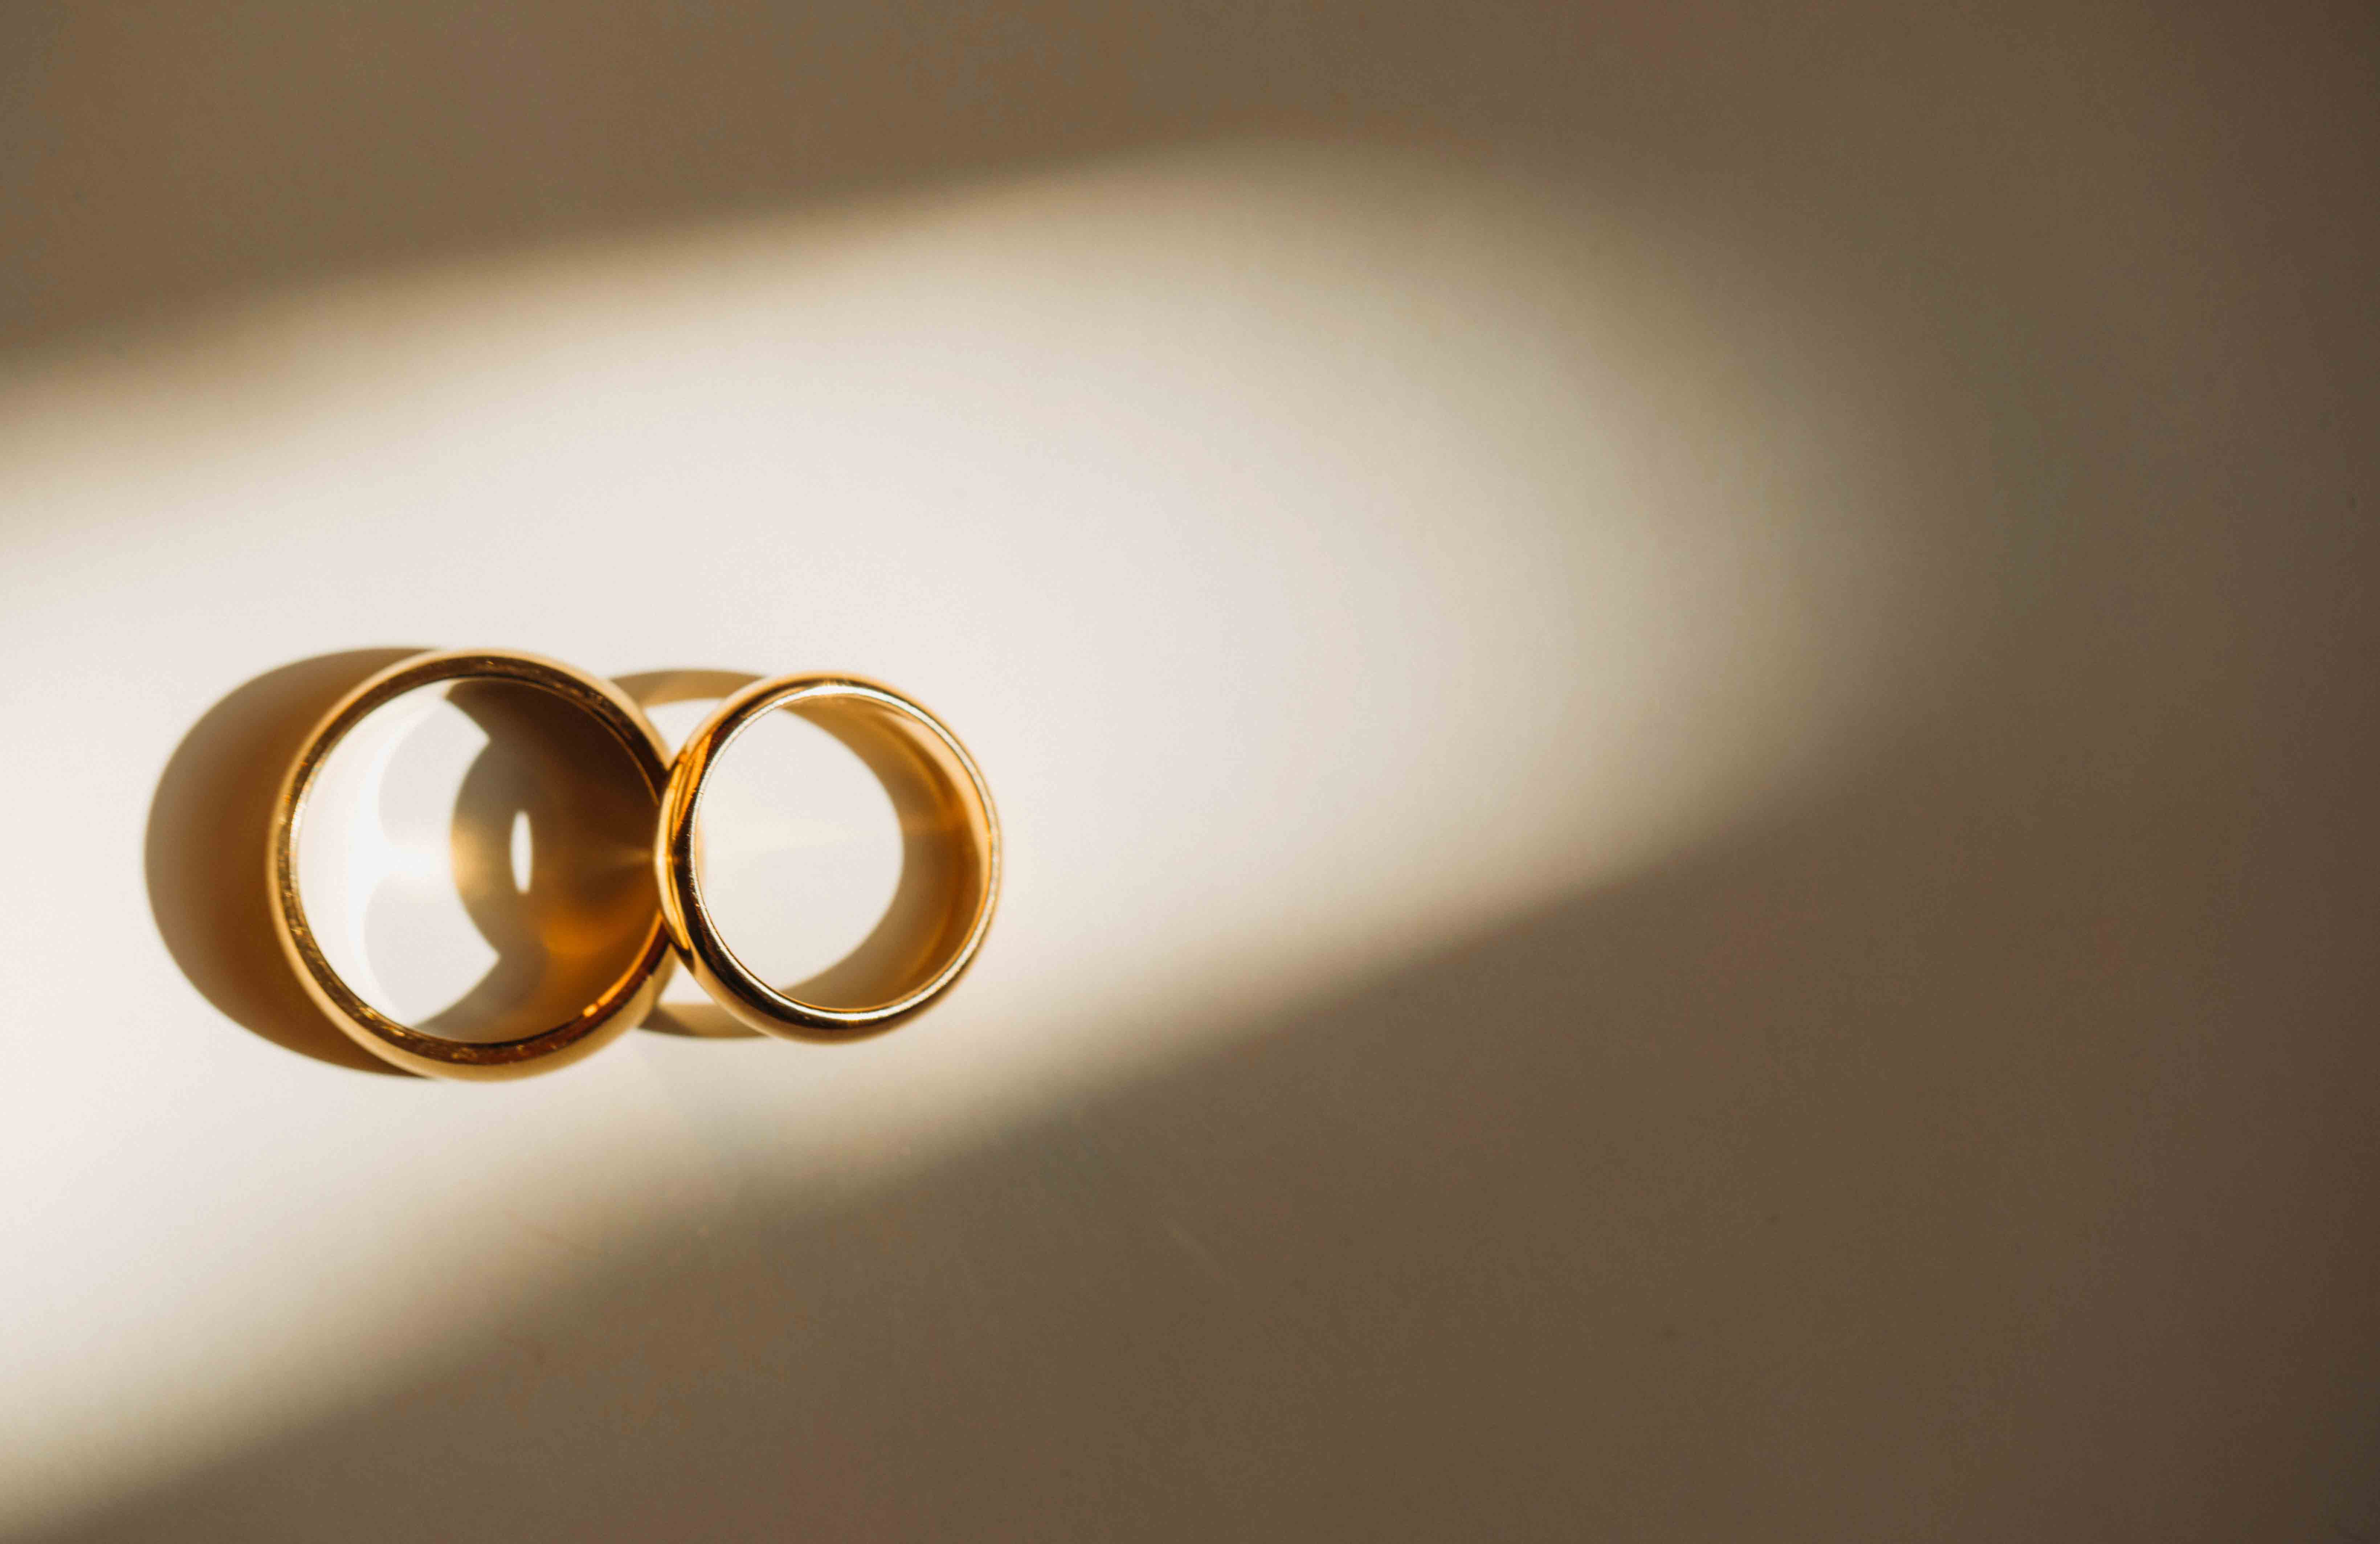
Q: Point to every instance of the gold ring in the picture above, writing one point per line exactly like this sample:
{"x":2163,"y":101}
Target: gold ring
{"x":621,"y":1003}
{"x":949,"y":864}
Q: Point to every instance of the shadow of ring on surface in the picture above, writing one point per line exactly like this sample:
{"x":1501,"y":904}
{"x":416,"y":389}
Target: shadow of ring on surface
{"x":583,"y":904}
{"x":204,"y":851}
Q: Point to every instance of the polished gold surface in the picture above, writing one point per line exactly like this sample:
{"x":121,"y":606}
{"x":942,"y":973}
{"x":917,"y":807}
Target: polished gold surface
{"x":630,"y":992}
{"x":950,"y":880}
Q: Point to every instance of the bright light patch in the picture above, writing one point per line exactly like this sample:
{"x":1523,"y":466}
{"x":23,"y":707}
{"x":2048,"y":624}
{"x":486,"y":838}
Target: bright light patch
{"x":1324,"y":555}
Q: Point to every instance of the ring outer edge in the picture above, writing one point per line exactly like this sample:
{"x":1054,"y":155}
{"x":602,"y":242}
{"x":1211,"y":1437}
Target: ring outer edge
{"x":734,"y":986}
{"x":626,"y":1002}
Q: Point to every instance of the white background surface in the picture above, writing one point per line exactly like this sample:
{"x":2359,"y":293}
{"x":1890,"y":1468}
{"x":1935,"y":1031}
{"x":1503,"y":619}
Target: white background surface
{"x":1383,"y":589}
{"x":1683,"y":702}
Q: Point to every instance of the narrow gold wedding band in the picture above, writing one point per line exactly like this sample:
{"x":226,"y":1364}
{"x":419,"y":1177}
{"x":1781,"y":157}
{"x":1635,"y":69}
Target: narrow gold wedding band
{"x":951,"y":862}
{"x":620,"y":1005}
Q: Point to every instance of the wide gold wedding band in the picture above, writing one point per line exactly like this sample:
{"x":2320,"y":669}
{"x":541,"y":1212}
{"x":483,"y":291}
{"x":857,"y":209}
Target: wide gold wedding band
{"x":950,"y":878}
{"x":636,"y":979}
{"x":942,"y":905}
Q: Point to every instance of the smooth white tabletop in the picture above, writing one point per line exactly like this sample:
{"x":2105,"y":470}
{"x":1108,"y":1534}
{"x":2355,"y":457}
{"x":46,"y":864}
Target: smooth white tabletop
{"x":1337,"y":556}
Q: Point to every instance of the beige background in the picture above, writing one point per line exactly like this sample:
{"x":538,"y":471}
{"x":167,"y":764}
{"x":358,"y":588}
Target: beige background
{"x":1684,"y":695}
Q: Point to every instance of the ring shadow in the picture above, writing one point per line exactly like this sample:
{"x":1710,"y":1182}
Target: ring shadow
{"x":204,"y":851}
{"x":587,"y":900}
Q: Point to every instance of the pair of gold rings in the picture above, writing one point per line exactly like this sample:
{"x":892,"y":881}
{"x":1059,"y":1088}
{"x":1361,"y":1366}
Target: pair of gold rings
{"x":951,"y":848}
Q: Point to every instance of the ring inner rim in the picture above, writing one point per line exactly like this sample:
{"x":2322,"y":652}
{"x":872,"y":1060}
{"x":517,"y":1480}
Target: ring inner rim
{"x":970,"y":791}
